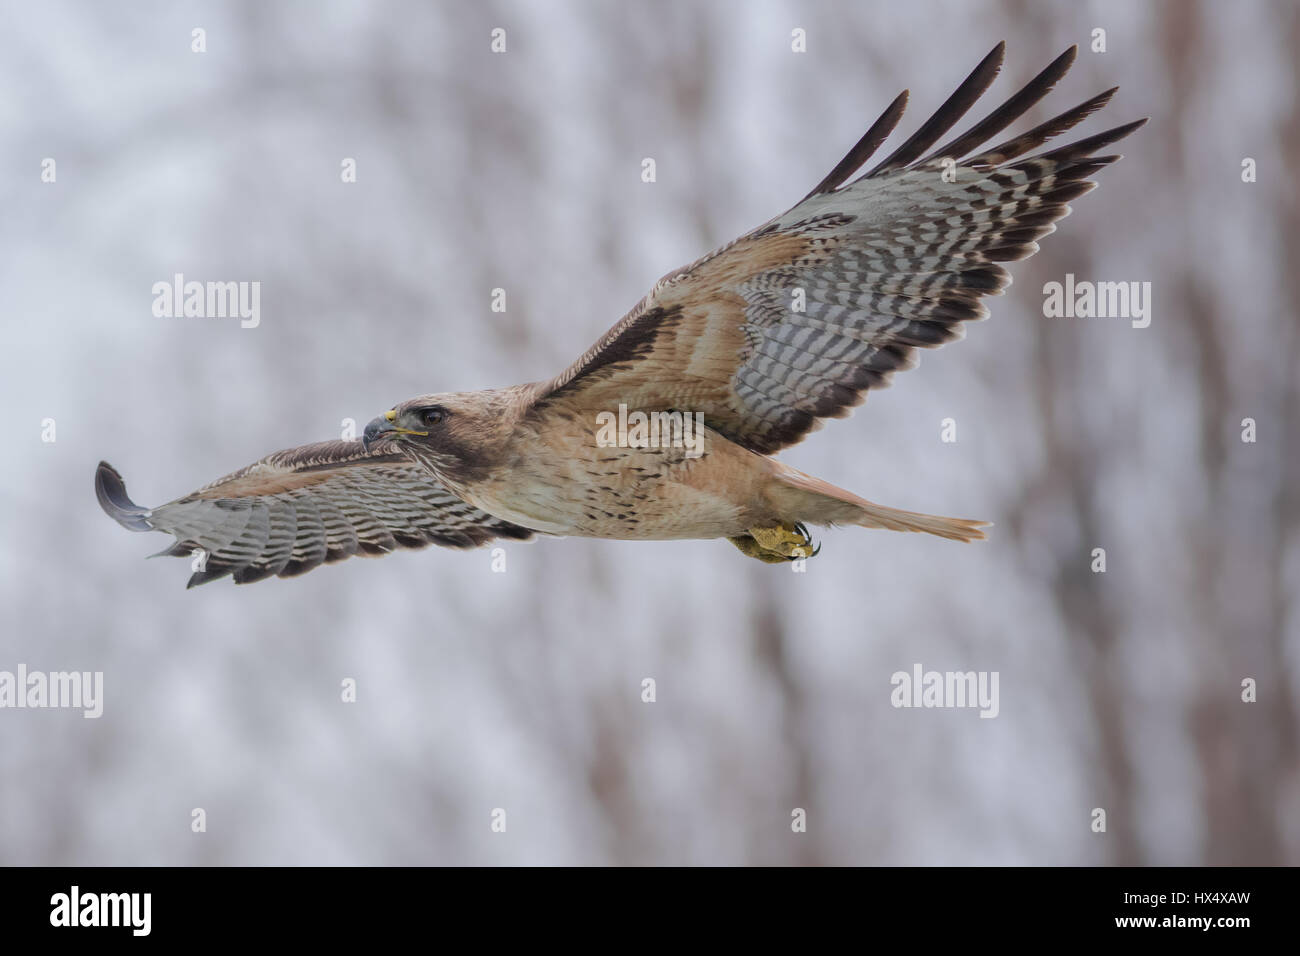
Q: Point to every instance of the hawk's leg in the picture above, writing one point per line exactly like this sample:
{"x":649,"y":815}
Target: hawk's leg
{"x":784,"y":542}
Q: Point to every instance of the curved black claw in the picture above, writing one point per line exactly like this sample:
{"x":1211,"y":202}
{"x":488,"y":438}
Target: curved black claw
{"x":802,"y":529}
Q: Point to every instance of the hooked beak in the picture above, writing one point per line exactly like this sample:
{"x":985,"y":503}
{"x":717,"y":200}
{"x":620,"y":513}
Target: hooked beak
{"x":385,"y":427}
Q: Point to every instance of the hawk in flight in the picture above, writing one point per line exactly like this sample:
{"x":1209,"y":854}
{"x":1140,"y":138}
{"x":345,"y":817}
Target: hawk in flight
{"x":755,"y":344}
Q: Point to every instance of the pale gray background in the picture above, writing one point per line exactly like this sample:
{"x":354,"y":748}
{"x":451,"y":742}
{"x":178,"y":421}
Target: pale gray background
{"x":481,"y":690}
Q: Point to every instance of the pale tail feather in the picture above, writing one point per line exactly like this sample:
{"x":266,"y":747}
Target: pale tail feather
{"x":892,"y":519}
{"x":801,"y":497}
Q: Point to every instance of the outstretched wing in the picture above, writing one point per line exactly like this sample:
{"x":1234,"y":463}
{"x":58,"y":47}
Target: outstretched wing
{"x":795,"y":321}
{"x":303,"y":507}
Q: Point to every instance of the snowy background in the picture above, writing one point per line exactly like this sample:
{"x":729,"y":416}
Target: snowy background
{"x":522,"y":690}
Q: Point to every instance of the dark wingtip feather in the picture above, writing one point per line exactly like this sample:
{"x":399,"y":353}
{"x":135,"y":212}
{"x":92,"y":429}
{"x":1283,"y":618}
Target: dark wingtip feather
{"x":864,"y":148}
{"x":203,"y":577}
{"x":946,"y":116}
{"x":110,"y":489}
{"x":1019,"y":145}
{"x":177,"y":549}
{"x":252,"y":572}
{"x":1011,"y":110}
{"x":1081,"y":149}
{"x":295,"y":568}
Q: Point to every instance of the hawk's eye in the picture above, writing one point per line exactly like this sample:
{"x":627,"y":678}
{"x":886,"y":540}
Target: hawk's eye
{"x":432,"y":416}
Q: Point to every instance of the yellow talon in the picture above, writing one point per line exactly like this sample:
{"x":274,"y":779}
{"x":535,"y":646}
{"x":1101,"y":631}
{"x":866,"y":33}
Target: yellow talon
{"x":753,"y":549}
{"x":784,"y":542}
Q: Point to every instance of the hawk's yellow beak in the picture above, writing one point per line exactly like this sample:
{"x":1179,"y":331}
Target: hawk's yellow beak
{"x":391,"y":415}
{"x":384,"y":425}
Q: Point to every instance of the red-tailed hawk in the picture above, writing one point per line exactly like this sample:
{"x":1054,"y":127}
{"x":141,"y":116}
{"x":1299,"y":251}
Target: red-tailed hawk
{"x":664,"y":428}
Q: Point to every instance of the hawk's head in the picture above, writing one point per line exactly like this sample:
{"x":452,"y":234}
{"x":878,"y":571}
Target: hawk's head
{"x":454,"y":434}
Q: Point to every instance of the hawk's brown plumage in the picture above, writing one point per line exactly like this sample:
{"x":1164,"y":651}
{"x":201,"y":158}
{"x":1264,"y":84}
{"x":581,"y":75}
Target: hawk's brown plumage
{"x":764,"y":338}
